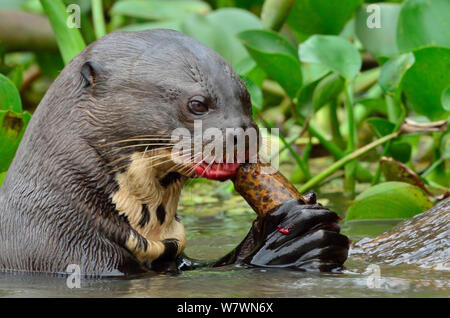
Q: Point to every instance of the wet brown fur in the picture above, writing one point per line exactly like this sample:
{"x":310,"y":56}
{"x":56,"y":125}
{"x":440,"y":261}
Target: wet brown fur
{"x":74,"y":193}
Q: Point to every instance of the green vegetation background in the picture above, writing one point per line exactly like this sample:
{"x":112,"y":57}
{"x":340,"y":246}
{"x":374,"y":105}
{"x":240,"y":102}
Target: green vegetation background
{"x":336,"y":80}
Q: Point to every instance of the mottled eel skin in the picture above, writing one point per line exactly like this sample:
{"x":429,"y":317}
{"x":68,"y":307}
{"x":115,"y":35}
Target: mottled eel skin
{"x":91,"y":183}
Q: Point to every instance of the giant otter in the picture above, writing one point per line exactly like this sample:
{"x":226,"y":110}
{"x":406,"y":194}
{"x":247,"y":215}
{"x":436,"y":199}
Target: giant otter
{"x":92,"y":182}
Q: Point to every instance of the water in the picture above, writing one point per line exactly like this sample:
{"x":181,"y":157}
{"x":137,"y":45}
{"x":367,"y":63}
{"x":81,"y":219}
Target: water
{"x":212,"y":236}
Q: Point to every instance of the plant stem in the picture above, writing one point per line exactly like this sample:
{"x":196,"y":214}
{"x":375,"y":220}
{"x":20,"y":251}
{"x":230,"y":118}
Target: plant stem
{"x":99,"y":18}
{"x":345,"y":160}
{"x":350,"y":168}
{"x":406,"y":127}
{"x":70,"y":41}
{"x":398,"y":123}
{"x":275,"y":12}
{"x":362,"y":173}
{"x":299,"y":161}
{"x":334,"y":123}
{"x":391,"y":107}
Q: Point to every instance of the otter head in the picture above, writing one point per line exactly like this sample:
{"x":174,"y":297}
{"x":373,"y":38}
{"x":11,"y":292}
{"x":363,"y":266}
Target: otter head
{"x":148,"y":92}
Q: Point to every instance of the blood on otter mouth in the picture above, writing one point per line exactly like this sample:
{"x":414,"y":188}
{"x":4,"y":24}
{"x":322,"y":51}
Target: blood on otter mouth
{"x":216,"y":171}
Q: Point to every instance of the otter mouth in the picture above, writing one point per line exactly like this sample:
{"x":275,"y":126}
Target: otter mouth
{"x":216,"y":171}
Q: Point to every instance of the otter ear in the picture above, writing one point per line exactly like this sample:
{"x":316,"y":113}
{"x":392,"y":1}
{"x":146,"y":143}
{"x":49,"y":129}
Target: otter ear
{"x":91,"y":71}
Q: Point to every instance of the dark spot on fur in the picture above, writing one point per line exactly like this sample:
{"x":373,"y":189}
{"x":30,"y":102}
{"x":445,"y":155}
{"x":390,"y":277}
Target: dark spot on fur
{"x":142,"y":243}
{"x":167,"y":257}
{"x":170,"y":250}
{"x":145,"y":217}
{"x":169,"y":178}
{"x":161,"y":213}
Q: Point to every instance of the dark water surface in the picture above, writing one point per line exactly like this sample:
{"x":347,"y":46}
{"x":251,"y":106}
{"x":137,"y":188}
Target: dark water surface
{"x":210,"y":237}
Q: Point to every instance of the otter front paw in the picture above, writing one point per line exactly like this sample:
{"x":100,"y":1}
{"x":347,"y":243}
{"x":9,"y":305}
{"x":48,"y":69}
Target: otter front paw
{"x":300,"y":236}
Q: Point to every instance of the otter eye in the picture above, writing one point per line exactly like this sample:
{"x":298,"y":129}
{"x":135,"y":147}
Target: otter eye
{"x":198,"y":106}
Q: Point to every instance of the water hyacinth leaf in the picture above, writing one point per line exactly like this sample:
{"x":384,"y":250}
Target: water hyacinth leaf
{"x":12,"y":127}
{"x":247,"y":67}
{"x":426,"y":80}
{"x":392,"y":71}
{"x":159,"y":9}
{"x":51,"y":64}
{"x":400,"y":151}
{"x":70,"y":41}
{"x":423,"y":23}
{"x":380,"y":127}
{"x":312,"y":72}
{"x":256,"y":95}
{"x":9,"y":96}
{"x":16,"y":76}
{"x":374,"y":105}
{"x":167,"y":24}
{"x":446,"y":98}
{"x":389,"y":200}
{"x":219,"y":30}
{"x":379,"y":40}
{"x":33,"y":6}
{"x":334,"y":52}
{"x":201,"y":28}
{"x":397,"y":171}
{"x":321,"y":16}
{"x":276,"y":56}
{"x":327,"y":89}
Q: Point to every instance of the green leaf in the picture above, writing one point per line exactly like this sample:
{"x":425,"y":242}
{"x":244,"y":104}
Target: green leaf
{"x":374,"y":105}
{"x":16,"y":76}
{"x":392,"y":71}
{"x":33,"y":6}
{"x":423,"y":23}
{"x":321,"y":16}
{"x":400,"y":151}
{"x":51,"y":64}
{"x":167,"y":24}
{"x":255,"y":92}
{"x":70,"y":41}
{"x":159,"y":9}
{"x":445,"y":98}
{"x":276,"y":56}
{"x":312,"y":72}
{"x":247,"y":67}
{"x":12,"y":127}
{"x":426,"y":80}
{"x":389,"y":200}
{"x":327,"y":89}
{"x":332,"y":51}
{"x":378,"y":41}
{"x":219,"y":30}
{"x":9,"y":96}
{"x":380,"y":127}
